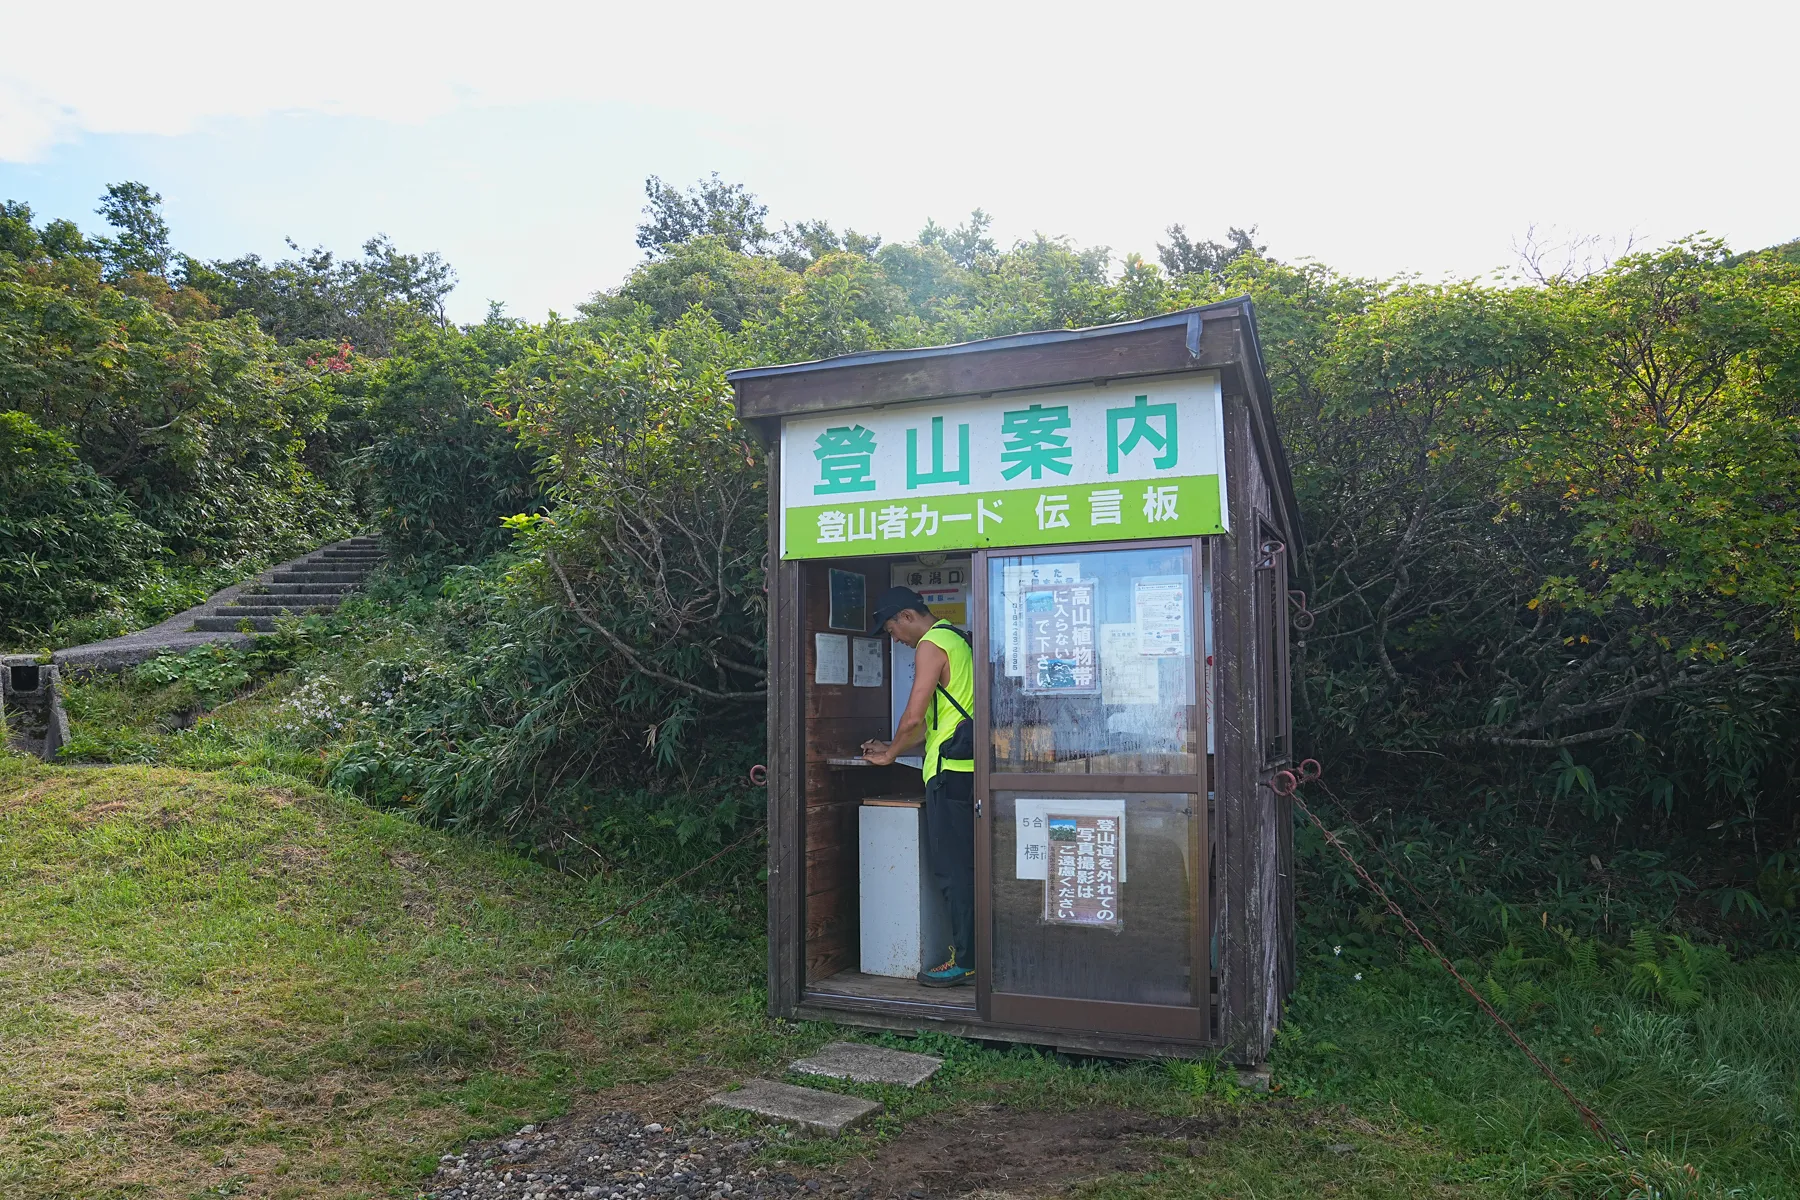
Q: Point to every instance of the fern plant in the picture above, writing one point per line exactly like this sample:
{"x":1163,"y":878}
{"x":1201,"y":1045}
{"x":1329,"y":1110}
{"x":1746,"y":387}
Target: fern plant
{"x":1667,"y":969}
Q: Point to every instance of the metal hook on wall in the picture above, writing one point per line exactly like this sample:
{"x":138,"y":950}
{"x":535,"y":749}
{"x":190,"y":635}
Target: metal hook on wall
{"x":1303,"y":617}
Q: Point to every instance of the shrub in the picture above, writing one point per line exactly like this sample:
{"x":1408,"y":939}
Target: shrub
{"x":70,"y":546}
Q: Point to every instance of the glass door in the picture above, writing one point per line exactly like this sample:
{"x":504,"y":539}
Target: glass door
{"x":1090,"y":688}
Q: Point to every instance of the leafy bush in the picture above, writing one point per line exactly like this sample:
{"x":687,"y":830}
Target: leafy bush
{"x":479,"y":703}
{"x":69,"y":543}
{"x":444,"y":466}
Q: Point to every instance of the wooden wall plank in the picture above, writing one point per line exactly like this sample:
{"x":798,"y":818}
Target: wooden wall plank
{"x":1235,"y":733}
{"x":786,"y":770}
{"x":1252,"y":873}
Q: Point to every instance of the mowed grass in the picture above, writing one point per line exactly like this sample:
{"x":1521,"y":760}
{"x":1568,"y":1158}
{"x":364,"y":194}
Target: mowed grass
{"x":228,"y":980}
{"x":216,"y":979}
{"x":228,"y":983}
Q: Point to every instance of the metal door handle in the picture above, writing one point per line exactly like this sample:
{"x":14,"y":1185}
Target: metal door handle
{"x":978,"y":808}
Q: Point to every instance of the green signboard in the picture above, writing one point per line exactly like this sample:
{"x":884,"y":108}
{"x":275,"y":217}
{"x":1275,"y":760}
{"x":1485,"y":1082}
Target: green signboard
{"x":1081,"y":464}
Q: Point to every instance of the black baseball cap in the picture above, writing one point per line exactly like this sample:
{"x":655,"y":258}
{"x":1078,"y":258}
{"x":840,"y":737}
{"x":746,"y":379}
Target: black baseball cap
{"x":895,"y":601}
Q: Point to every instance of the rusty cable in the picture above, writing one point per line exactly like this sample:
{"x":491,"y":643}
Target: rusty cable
{"x":1292,"y":791}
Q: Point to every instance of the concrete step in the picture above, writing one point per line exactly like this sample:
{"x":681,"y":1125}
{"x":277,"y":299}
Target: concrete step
{"x":358,"y":555}
{"x":299,"y":589}
{"x":812,"y":1110}
{"x":287,"y":599}
{"x":233,"y":624}
{"x":270,"y":610}
{"x":315,"y":575}
{"x":868,"y":1064}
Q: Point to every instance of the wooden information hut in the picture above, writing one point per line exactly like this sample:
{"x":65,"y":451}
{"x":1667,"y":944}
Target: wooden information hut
{"x":1108,"y":513}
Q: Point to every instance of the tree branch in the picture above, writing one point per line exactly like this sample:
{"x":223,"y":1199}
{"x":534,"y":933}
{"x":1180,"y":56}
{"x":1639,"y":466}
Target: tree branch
{"x":625,"y":652}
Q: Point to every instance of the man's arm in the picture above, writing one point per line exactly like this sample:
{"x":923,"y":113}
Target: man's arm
{"x":929,"y":662}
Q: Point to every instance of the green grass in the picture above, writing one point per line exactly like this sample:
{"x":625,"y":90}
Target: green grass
{"x":227,"y":979}
{"x":215,"y":975}
{"x":1710,"y":1081}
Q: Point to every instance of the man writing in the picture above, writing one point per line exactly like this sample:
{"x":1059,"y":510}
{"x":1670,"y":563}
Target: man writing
{"x":943,"y":696}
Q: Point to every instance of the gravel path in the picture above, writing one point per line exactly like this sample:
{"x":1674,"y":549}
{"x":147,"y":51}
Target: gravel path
{"x":618,"y":1158}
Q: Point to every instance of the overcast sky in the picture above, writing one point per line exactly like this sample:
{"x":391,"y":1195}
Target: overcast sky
{"x":515,"y":139}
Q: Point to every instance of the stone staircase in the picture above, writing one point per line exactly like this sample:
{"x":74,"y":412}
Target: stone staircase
{"x":317,"y":583}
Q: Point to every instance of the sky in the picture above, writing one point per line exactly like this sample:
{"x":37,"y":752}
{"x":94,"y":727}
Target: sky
{"x":1380,"y":138}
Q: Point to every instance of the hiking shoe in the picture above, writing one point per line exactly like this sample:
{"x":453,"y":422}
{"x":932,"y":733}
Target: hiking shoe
{"x":949,"y":974}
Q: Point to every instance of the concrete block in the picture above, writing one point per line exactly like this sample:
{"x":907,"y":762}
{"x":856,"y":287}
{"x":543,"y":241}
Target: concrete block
{"x":1255,"y":1077}
{"x":868,"y":1064}
{"x":814,"y":1111}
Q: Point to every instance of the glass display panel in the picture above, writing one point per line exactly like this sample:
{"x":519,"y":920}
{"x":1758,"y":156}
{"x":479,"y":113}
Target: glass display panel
{"x":1095,"y":896}
{"x":1091,"y":662}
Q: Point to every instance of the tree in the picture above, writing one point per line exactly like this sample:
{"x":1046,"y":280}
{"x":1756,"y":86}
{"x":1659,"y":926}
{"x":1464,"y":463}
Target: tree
{"x":199,"y":423}
{"x":370,"y":302}
{"x":446,"y":467}
{"x":844,"y":304}
{"x":804,"y":244}
{"x":18,"y":237}
{"x":734,"y":287}
{"x":967,"y":244}
{"x":142,"y":243}
{"x":712,"y":207}
{"x":1182,"y":256}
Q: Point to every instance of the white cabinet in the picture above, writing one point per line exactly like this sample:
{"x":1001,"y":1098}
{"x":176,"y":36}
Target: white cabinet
{"x":904,"y":918}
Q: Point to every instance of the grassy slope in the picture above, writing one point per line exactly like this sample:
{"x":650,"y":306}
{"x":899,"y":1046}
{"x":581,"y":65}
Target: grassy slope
{"x":225,"y":980}
{"x":210,"y":976}
{"x":415,"y":987}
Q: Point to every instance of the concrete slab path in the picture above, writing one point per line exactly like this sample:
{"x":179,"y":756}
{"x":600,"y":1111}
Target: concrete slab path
{"x":868,"y":1064}
{"x":814,"y":1111}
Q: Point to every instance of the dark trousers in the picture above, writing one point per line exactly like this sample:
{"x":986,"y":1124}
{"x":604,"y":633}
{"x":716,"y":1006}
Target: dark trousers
{"x":950,"y":847}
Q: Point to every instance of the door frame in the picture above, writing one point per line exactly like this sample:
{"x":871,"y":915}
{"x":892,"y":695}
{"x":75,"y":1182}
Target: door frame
{"x":1180,"y":1023}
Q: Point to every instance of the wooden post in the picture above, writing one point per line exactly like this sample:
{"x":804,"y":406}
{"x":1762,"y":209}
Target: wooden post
{"x":786,"y":767}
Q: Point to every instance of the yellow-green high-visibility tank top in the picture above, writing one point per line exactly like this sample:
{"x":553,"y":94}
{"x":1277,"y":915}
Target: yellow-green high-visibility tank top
{"x":942,"y":718}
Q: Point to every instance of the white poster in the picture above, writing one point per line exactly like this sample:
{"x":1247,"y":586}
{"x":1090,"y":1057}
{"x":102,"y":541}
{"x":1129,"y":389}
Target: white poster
{"x":1161,"y":607}
{"x":831,"y":658}
{"x":1014,"y":582}
{"x":1126,"y":677}
{"x":865,"y":662}
{"x":1032,"y":820}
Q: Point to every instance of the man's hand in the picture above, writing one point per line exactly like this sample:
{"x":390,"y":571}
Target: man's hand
{"x":879,"y":753}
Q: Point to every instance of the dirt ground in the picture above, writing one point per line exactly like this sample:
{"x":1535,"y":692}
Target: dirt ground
{"x":984,"y":1150}
{"x":997,"y":1149}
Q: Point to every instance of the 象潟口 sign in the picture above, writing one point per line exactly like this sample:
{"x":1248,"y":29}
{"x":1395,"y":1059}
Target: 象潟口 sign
{"x":1068,"y":464}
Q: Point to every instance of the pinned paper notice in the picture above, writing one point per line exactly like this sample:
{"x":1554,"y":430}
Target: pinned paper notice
{"x":831,"y":658}
{"x":865,"y":662}
{"x":1161,"y":607}
{"x":1126,"y":677}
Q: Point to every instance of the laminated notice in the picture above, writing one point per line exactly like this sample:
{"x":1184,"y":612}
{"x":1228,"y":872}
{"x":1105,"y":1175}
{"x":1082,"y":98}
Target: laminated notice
{"x":1082,"y":886}
{"x":1160,"y":602}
